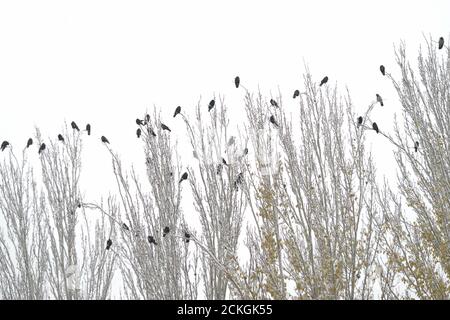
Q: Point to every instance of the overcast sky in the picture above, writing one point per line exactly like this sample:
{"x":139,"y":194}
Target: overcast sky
{"x":107,"y":62}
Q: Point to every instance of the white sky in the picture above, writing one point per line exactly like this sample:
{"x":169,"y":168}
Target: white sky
{"x":106,"y":62}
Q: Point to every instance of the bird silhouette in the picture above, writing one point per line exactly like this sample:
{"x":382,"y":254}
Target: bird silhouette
{"x":4,"y":145}
{"x":296,"y":94}
{"x":441,"y":43}
{"x":273,"y":121}
{"x":383,"y":70}
{"x":41,"y":148}
{"x":104,"y":140}
{"x":150,"y":130}
{"x":238,"y":180}
{"x":187,"y":237}
{"x":29,"y":142}
{"x":125,"y":227}
{"x":108,"y":244}
{"x":147,"y":118}
{"x":324,"y":80}
{"x":138,"y":132}
{"x":224,"y":162}
{"x":88,"y":129}
{"x":360,"y":120}
{"x":416,"y":146}
{"x":74,"y":126}
{"x":177,"y":111}
{"x":164,"y":127}
{"x":166,"y":231}
{"x":151,"y":240}
{"x":183,"y":177}
{"x":379,"y":99}
{"x":60,"y":138}
{"x":211,"y":105}
{"x":237,"y":81}
{"x":245,"y":152}
{"x":274,"y":103}
{"x":139,"y":122}
{"x":375,"y":127}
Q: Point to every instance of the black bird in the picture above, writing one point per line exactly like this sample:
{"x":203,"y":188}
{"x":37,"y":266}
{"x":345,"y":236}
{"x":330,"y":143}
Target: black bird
{"x":416,"y":146}
{"x":379,"y":99}
{"x":375,"y":127}
{"x":238,"y":180}
{"x":245,"y":151}
{"x":360,"y":120}
{"x":29,"y":142}
{"x":139,"y":122}
{"x":104,"y":140}
{"x":274,"y":103}
{"x":152,"y":132}
{"x":383,"y":70}
{"x":60,"y":138}
{"x":441,"y":43}
{"x":237,"y":81}
{"x":164,"y":127}
{"x":224,"y":162}
{"x":138,"y":132}
{"x":183,"y":177}
{"x":211,"y":105}
{"x":108,"y":244}
{"x":324,"y":80}
{"x":41,"y":148}
{"x":166,"y":231}
{"x":125,"y":227}
{"x":147,"y":118}
{"x":177,"y":111}
{"x":187,"y":237}
{"x":151,"y":240}
{"x":4,"y":145}
{"x":296,"y":94}
{"x":88,"y":129}
{"x":273,"y":121}
{"x":74,"y":126}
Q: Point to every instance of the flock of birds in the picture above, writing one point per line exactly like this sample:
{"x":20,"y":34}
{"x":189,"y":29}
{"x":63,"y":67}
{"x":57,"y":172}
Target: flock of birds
{"x":184,"y":176}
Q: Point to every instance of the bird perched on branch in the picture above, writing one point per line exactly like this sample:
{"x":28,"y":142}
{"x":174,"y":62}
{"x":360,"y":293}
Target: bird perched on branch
{"x":211,"y":105}
{"x":245,"y":152}
{"x":360,"y":121}
{"x":273,"y":121}
{"x":152,"y":240}
{"x":104,"y":140}
{"x":166,"y":231}
{"x":4,"y":145}
{"x":375,"y":127}
{"x":60,"y":138}
{"x":177,"y":111}
{"x":108,"y":244}
{"x":88,"y":129}
{"x":74,"y":126}
{"x":150,"y":130}
{"x":224,"y":162}
{"x":237,"y":81}
{"x":441,"y":43}
{"x":139,"y":122}
{"x":274,"y":103}
{"x":383,"y":70}
{"x":238,"y":180}
{"x":138,"y":132}
{"x":125,"y":227}
{"x":379,"y":99}
{"x":183,"y":177}
{"x":41,"y":148}
{"x":147,"y":118}
{"x":296,"y":94}
{"x":187,"y":237}
{"x":416,"y":146}
{"x":29,"y":142}
{"x":324,"y":80}
{"x":164,"y":127}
